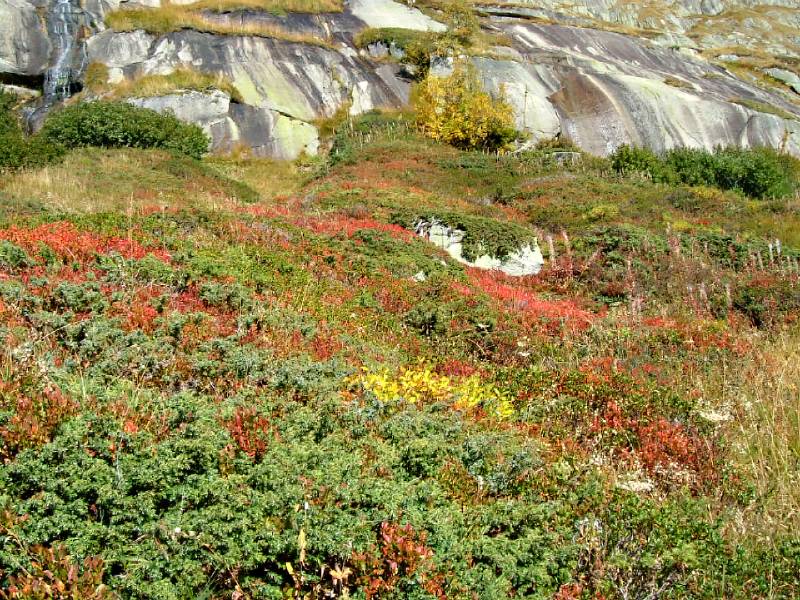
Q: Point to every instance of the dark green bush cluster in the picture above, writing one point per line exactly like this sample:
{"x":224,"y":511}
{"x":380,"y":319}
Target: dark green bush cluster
{"x":759,"y":172}
{"x":482,"y":235}
{"x":120,"y":125}
{"x":16,"y":150}
{"x":103,"y":124}
{"x":416,"y":45}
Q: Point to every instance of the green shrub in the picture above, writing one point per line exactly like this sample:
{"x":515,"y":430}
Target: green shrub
{"x":628,"y":160}
{"x":417,"y":46}
{"x":118,"y":124}
{"x":758,"y":173}
{"x":16,"y":150}
{"x":692,"y":166}
{"x":482,"y":235}
{"x":8,"y":121}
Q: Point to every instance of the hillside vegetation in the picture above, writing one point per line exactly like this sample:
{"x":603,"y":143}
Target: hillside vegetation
{"x":225,"y":378}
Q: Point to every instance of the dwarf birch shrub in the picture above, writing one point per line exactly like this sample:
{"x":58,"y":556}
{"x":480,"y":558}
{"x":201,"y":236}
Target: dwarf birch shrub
{"x":458,"y":111}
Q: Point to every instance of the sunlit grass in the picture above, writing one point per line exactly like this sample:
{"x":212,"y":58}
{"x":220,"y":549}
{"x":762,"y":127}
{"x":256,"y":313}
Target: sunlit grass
{"x":767,"y":433}
{"x":170,"y":18}
{"x":148,"y":86}
{"x":96,"y":180}
{"x":274,"y":6}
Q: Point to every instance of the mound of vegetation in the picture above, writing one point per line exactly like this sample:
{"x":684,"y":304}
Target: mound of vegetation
{"x":417,"y":47}
{"x":93,"y":124}
{"x":759,"y":173}
{"x":18,"y":151}
{"x":147,"y":86}
{"x":300,"y":398}
{"x":482,"y":235}
{"x":121,"y":125}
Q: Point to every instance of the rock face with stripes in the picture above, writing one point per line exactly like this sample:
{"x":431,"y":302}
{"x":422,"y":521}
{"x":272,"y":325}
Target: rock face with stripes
{"x":603,"y":89}
{"x":598,"y":87}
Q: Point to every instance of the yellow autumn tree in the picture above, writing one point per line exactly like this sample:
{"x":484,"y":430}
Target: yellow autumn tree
{"x":458,"y":111}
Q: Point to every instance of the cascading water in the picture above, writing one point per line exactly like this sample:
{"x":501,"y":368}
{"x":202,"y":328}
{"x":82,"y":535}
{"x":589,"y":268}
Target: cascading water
{"x":64,"y":24}
{"x":65,"y":28}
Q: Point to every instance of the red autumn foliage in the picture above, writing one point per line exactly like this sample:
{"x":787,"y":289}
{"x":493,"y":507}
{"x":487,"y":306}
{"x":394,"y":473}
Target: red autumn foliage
{"x":402,"y":553}
{"x":325,"y":345}
{"x":456,"y":368}
{"x":138,"y":313}
{"x":54,"y":575}
{"x":68,"y":243}
{"x":349,"y":226}
{"x":514,"y":295}
{"x":251,"y":432}
{"x":662,"y":443}
{"x":36,"y":415}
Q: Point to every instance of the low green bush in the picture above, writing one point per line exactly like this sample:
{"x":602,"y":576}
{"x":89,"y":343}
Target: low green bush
{"x":16,"y":150}
{"x":418,"y":47}
{"x":757,"y":172}
{"x":118,"y":124}
{"x":482,"y":235}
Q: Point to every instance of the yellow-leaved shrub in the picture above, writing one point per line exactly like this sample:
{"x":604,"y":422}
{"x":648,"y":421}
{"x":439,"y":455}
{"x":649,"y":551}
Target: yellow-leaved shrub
{"x":458,"y":111}
{"x":420,"y":385}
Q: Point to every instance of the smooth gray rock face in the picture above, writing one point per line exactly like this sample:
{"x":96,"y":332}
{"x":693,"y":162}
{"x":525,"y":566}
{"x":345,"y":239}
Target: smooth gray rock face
{"x":787,"y":77}
{"x":24,"y":46}
{"x":285,"y":86}
{"x":230,"y":125}
{"x":604,"y":89}
{"x":209,"y":110}
{"x":601,"y":89}
{"x":386,"y":13}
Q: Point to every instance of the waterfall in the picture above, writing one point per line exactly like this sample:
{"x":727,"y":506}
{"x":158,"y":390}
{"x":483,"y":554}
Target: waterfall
{"x":64,"y":25}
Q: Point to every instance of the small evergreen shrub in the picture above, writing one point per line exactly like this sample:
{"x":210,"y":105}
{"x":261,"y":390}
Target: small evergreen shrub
{"x":118,"y":124}
{"x":458,"y":111}
{"x":417,"y":46}
{"x":16,"y":150}
{"x":758,"y":172}
{"x":628,"y":160}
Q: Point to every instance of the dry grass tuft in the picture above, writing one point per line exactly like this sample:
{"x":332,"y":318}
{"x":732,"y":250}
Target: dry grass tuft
{"x":148,"y":86}
{"x":273,"y":6}
{"x":768,"y":433}
{"x":169,"y":18}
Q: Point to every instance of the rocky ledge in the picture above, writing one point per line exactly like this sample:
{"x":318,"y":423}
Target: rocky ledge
{"x":601,"y":88}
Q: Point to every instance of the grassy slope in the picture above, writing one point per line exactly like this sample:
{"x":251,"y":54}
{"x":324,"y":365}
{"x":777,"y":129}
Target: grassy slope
{"x":225,"y":416}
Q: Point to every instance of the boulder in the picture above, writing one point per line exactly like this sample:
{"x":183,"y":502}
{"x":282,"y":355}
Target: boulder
{"x":24,"y":46}
{"x":527,"y":260}
{"x":230,"y":125}
{"x":385,"y":13}
{"x":788,"y":77}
